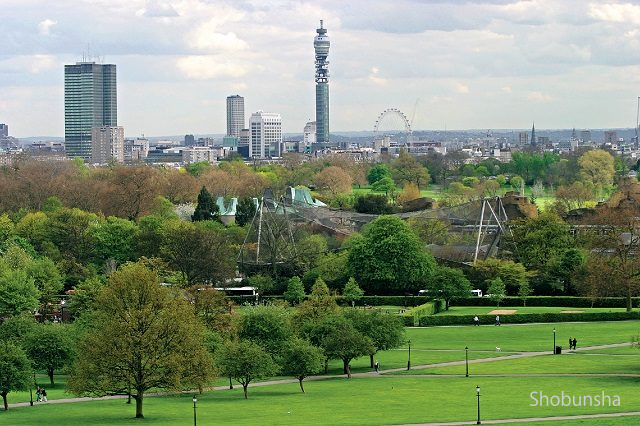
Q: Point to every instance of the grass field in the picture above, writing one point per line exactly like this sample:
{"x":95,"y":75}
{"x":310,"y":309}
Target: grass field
{"x":482,"y":310}
{"x":421,"y":395}
{"x":378,"y":400}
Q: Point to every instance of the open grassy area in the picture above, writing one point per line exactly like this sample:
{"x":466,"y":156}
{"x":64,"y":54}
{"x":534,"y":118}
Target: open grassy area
{"x":374,"y":400}
{"x":482,"y":310}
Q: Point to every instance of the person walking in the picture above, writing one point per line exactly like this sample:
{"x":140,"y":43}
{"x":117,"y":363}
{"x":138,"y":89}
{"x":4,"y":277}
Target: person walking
{"x":497,"y":319}
{"x":377,"y":366}
{"x":570,"y":343}
{"x":574,"y":343}
{"x":476,"y":321}
{"x":38,"y":394}
{"x":44,"y":394}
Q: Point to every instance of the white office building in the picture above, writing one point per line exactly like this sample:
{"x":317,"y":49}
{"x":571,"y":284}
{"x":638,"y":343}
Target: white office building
{"x":265,"y":135}
{"x":107,"y":144}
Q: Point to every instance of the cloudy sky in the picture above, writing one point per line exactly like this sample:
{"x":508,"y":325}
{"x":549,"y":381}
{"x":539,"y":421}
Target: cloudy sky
{"x":458,"y":63}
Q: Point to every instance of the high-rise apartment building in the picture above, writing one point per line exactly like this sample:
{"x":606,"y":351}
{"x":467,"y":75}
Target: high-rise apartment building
{"x":90,"y":100}
{"x":321,"y":47}
{"x":107,"y":144}
{"x":265,"y":138}
{"x":235,"y":115}
{"x":4,"y":130}
{"x":610,"y":137}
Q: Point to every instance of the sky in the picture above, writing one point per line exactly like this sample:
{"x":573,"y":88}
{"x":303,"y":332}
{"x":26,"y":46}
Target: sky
{"x":447,"y":64}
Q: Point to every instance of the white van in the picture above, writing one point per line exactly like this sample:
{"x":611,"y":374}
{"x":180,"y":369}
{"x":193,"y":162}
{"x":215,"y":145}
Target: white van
{"x":476,"y":293}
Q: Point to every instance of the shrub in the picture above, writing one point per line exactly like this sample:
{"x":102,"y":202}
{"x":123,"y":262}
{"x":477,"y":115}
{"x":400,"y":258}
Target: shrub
{"x":429,"y":321}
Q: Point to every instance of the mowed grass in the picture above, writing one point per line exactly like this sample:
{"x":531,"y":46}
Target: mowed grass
{"x":523,"y":338}
{"x":483,"y":310}
{"x":363,"y":401}
{"x":570,"y":363}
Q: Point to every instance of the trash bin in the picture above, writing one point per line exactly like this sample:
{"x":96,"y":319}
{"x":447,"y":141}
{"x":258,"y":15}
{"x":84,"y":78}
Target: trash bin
{"x":558,"y":350}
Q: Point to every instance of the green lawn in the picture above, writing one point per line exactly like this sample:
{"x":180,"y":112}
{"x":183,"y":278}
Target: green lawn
{"x":573,"y":363}
{"x":482,"y":310}
{"x":377,"y":400}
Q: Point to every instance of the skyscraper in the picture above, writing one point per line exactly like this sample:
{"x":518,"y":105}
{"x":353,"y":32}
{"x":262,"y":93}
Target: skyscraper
{"x":90,"y":100}
{"x":265,"y":134}
{"x":4,"y":130}
{"x":107,"y":144}
{"x":321,"y":47}
{"x":235,"y":115}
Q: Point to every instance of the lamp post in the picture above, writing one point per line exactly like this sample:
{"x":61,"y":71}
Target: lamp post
{"x":554,"y":340}
{"x":478,"y":393}
{"x":230,"y":383}
{"x":466,"y":361}
{"x":62,"y":302}
{"x":194,"y":409}
{"x":409,"y":360}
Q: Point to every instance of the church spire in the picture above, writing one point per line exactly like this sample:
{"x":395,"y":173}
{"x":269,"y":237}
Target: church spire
{"x":533,"y":134}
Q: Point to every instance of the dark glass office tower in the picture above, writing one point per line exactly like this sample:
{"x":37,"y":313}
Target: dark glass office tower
{"x":90,"y":100}
{"x":321,"y":46}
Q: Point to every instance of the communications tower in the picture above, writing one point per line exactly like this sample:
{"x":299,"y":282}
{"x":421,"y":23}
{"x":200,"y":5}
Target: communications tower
{"x":321,"y":47}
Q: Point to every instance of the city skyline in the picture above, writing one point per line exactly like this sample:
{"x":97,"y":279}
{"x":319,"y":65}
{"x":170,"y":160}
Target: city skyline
{"x":472,"y":65}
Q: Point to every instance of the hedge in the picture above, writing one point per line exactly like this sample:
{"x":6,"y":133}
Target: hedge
{"x":556,"y":301}
{"x":429,"y":321}
{"x":411,"y":317}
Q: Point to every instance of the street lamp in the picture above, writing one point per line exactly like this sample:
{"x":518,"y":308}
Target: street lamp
{"x":478,"y":393}
{"x":466,"y":360}
{"x":62,"y":302}
{"x":230,"y":383}
{"x":194,"y":409}
{"x":554,"y":340}
{"x":409,"y":360}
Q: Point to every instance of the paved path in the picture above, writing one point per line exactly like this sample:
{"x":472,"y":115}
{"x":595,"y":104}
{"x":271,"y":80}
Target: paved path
{"x":372,"y":374}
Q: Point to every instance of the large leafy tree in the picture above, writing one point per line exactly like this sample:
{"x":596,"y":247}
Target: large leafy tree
{"x":245,"y":211}
{"x":378,"y":172}
{"x":268,"y":326}
{"x":352,"y":291}
{"x":386,"y":331}
{"x":49,"y":347}
{"x":206,"y":209}
{"x":245,"y":361}
{"x":449,"y":283}
{"x":143,"y":336}
{"x":389,"y":258}
{"x":597,"y":168}
{"x":18,"y":293}
{"x":301,"y":359}
{"x":15,"y":370}
{"x":513,"y":275}
{"x":295,"y":291}
{"x":406,"y":169}
{"x":114,"y":239}
{"x":344,"y":342}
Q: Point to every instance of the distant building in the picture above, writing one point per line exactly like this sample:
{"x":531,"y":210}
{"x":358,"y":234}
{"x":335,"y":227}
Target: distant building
{"x":585,"y":136}
{"x":136,"y":149}
{"x":4,"y":130}
{"x":189,"y":140}
{"x":523,"y":138}
{"x":235,"y":115}
{"x":197,"y":154}
{"x":205,"y":142}
{"x":321,"y":46}
{"x":265,"y":135}
{"x":308,"y":137}
{"x":610,"y":137}
{"x":107,"y":144}
{"x":89,"y":101}
{"x":534,"y":140}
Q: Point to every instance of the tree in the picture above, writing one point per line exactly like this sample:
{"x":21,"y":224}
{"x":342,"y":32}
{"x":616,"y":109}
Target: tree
{"x":378,"y":172}
{"x":202,"y":254}
{"x":143,"y":336}
{"x":386,"y":331}
{"x":295,"y":291}
{"x":114,"y":239}
{"x":429,"y":230}
{"x":516,"y":183}
{"x":268,"y":326}
{"x":245,"y":211}
{"x":496,"y":290}
{"x":49,"y":347}
{"x":206,"y":209}
{"x":245,"y":361}
{"x":46,"y":277}
{"x":344,"y":342}
{"x":262,"y":283}
{"x":449,"y":283}
{"x":333,"y":181}
{"x":386,"y":185}
{"x":513,"y":275}
{"x":597,"y":168}
{"x":388,"y":258}
{"x":410,"y":192}
{"x":372,"y":204}
{"x":407,"y":169}
{"x":575,"y":196}
{"x":352,"y":292}
{"x":17,"y":328}
{"x":301,"y":359}
{"x":15,"y":370}
{"x":18,"y":292}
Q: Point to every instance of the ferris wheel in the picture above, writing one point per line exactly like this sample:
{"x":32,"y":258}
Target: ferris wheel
{"x":392,"y":121}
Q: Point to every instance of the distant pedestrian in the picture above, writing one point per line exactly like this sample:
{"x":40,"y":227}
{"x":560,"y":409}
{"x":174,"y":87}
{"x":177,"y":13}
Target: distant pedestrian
{"x":44,"y":395}
{"x":476,"y":321}
{"x":497,"y":319}
{"x":38,"y":394}
{"x":570,"y":343}
{"x":574,"y":343}
{"x":377,"y":366}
